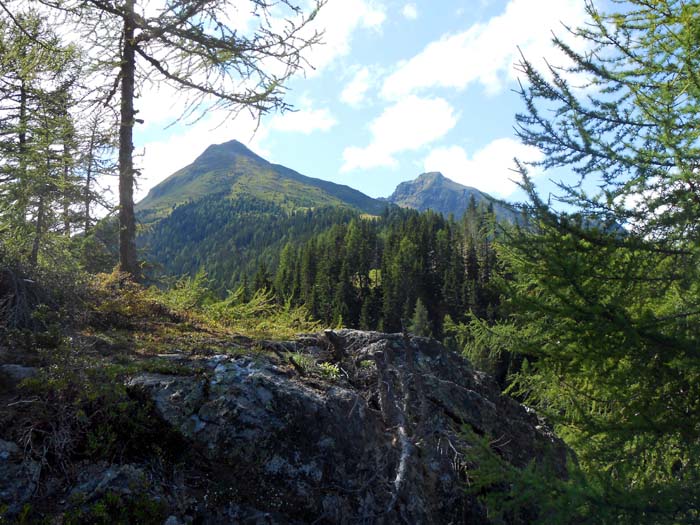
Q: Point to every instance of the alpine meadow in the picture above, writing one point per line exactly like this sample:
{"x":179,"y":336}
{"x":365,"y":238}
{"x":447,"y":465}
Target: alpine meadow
{"x":476,"y":302}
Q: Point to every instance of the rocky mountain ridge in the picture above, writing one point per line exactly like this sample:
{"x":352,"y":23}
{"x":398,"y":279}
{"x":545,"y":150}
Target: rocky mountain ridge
{"x":231,"y":169}
{"x":434,"y":191}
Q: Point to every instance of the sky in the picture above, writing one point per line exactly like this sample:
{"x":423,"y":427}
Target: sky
{"x":398,"y":88}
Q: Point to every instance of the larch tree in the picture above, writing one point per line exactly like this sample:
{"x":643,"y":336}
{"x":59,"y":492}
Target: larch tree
{"x":37,"y":78}
{"x":603,"y":295}
{"x":193,"y":46}
{"x":97,"y":140}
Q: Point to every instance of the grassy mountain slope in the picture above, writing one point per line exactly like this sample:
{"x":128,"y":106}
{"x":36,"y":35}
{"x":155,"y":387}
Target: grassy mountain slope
{"x":232,"y":170}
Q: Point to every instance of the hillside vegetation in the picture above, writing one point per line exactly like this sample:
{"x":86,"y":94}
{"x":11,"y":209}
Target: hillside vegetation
{"x":220,"y":379}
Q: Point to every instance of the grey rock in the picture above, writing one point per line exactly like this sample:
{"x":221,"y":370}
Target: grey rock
{"x":257,"y":443}
{"x":8,"y":450}
{"x":434,"y":191}
{"x":18,"y":477}
{"x":101,"y":479}
{"x":17,"y":373}
{"x":304,"y":449}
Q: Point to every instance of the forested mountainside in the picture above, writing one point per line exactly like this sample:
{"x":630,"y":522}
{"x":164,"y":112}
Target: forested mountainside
{"x":376,"y":274}
{"x":349,"y":269}
{"x":237,"y":217}
{"x":231,"y":238}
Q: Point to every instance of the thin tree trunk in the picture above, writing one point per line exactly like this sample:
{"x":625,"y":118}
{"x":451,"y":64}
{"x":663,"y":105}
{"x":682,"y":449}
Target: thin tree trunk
{"x":22,"y":203}
{"x":127,"y":221}
{"x":66,"y":192}
{"x":88,"y":177}
{"x":39,"y":227}
{"x":38,"y":230}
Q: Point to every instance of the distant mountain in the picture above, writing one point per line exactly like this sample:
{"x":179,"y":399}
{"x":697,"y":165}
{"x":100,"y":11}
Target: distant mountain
{"x":232,"y":170}
{"x":231,"y":212}
{"x":434,"y":191}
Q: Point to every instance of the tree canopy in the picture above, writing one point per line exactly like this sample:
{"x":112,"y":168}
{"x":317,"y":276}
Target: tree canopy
{"x":604,"y":300}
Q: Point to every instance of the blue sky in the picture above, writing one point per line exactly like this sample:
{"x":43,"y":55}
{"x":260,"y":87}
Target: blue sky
{"x":399,"y":88}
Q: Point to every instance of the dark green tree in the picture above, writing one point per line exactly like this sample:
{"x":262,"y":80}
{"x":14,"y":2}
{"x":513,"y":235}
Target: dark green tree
{"x":262,"y":280}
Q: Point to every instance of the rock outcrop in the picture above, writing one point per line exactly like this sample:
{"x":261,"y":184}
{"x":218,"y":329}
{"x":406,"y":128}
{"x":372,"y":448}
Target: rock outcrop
{"x":341,"y":427}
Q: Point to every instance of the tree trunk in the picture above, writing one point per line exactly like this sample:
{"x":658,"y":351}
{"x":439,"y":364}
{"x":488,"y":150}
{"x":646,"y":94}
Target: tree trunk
{"x":38,"y":230}
{"x":88,"y":177}
{"x":66,"y":191}
{"x":39,"y":227}
{"x":127,"y":220}
{"x":22,"y":203}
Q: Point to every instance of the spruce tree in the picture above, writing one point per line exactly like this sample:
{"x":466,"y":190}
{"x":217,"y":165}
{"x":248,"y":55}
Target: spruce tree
{"x":420,"y":321}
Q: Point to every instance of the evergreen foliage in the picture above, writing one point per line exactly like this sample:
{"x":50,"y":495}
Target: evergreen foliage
{"x":420,"y":324}
{"x":40,"y":192}
{"x":348,"y":269}
{"x":370,"y":273}
{"x":607,"y":319}
{"x":230,"y":238}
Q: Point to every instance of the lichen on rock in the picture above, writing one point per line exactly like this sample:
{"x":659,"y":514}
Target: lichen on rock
{"x":380,"y":444}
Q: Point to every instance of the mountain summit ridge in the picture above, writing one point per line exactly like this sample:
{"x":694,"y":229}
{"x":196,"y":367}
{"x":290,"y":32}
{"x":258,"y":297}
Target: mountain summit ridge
{"x":433,"y":190}
{"x":232,"y":169}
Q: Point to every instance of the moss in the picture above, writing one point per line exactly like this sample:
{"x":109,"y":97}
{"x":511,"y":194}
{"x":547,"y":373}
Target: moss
{"x":165,"y":366}
{"x":83,"y":410}
{"x":115,"y":509}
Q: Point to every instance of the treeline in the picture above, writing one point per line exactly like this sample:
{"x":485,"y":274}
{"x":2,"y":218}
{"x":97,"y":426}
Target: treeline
{"x":371,"y":273}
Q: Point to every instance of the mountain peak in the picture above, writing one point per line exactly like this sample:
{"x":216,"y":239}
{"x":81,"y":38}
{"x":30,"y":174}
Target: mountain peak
{"x":232,"y":169}
{"x":431,"y":176}
{"x":226,"y":152}
{"x":434,"y":191}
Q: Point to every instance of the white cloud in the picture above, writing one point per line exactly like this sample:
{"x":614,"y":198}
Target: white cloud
{"x":486,"y":52}
{"x":355,"y":91}
{"x":408,"y":125}
{"x":338,"y":20}
{"x":410,"y":11}
{"x":488,"y":169}
{"x":305,"y":120}
{"x":160,"y":104}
